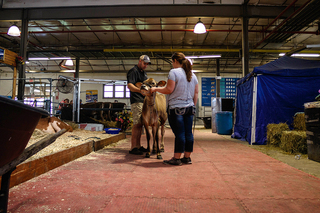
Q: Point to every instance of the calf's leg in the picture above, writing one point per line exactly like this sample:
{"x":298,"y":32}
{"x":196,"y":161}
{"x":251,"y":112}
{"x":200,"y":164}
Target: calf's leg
{"x":157,"y":140}
{"x":162,"y":139}
{"x":148,"y":141}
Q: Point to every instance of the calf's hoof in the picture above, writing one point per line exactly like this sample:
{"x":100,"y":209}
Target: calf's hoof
{"x":159,"y":157}
{"x":147,"y":155}
{"x":162,"y":150}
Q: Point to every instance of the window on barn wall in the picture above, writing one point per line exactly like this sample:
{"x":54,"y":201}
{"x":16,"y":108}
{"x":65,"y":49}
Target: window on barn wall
{"x":119,"y":91}
{"x":116,"y":91}
{"x":127,"y":92}
{"x":108,"y":91}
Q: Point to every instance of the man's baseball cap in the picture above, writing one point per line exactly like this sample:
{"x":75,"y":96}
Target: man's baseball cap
{"x":145,"y":58}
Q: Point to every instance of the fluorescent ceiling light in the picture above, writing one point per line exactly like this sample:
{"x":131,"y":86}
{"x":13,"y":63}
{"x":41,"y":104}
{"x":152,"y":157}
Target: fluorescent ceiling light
{"x":210,"y":56}
{"x":302,"y":55}
{"x":204,"y":56}
{"x":69,"y":62}
{"x":38,"y":59}
{"x":56,"y":58}
{"x":199,"y":28}
{"x":13,"y":31}
{"x":313,"y":45}
{"x":60,"y":58}
{"x":69,"y":71}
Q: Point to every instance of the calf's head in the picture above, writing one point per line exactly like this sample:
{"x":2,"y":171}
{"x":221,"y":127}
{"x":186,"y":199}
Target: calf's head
{"x":147,"y":84}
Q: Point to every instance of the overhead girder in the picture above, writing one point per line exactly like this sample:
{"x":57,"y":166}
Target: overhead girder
{"x":144,"y":11}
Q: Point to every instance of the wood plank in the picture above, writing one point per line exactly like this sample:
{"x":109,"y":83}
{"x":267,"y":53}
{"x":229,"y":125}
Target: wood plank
{"x":14,"y":83}
{"x":31,"y":150}
{"x":101,"y":144}
{"x":31,"y":169}
{"x":9,"y":57}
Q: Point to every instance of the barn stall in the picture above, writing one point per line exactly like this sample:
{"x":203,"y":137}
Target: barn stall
{"x":273,"y":93}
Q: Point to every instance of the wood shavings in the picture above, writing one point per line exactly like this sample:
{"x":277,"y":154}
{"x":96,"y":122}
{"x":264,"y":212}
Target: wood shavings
{"x":65,"y":141}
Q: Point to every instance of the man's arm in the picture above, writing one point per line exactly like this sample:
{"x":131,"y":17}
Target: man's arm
{"x":133,"y":88}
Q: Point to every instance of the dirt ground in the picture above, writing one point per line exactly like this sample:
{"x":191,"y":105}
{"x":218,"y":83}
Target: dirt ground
{"x":297,"y":161}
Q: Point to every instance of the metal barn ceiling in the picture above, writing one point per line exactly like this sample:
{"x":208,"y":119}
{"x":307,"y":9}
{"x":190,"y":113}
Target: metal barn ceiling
{"x":110,"y":38}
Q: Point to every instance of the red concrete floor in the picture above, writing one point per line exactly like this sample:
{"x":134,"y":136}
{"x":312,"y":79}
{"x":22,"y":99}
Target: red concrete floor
{"x":225,"y":177}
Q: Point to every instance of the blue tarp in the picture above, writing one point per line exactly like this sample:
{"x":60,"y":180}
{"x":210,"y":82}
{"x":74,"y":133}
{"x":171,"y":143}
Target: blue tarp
{"x":283,"y":86}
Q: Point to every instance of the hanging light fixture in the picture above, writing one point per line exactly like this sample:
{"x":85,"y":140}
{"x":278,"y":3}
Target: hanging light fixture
{"x":69,"y":62}
{"x":199,"y":28}
{"x":13,"y":31}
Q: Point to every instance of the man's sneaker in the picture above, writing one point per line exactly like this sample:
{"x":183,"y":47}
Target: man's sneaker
{"x":186,"y":160}
{"x":142,"y":149}
{"x":136,"y":151}
{"x":173,"y":161}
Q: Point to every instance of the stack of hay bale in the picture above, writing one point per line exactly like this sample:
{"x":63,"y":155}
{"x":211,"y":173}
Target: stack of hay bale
{"x":312,"y":118}
{"x":294,"y":141}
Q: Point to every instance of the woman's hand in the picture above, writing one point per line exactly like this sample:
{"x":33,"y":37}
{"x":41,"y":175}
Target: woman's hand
{"x":153,"y":89}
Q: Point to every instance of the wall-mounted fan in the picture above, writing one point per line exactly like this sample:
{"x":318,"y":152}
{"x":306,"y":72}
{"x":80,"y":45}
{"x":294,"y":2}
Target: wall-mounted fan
{"x":64,"y":85}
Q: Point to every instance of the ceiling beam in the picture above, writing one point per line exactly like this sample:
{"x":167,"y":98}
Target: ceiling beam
{"x":144,"y":11}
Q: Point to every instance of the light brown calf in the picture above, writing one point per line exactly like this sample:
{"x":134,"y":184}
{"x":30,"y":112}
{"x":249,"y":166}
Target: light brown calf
{"x":52,"y":125}
{"x":153,"y":114}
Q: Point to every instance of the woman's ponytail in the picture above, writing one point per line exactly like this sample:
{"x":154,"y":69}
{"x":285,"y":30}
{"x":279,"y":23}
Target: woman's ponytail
{"x":186,"y":65}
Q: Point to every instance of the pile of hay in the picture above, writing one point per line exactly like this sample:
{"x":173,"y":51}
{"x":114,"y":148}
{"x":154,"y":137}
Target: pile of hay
{"x":294,"y":142}
{"x":299,"y":122}
{"x":274,"y":132}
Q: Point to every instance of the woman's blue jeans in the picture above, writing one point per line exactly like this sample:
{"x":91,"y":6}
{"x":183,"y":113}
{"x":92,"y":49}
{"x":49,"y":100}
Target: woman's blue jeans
{"x":181,"y":125}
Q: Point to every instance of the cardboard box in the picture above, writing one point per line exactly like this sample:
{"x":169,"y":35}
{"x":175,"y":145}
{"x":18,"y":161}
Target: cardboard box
{"x":92,"y":127}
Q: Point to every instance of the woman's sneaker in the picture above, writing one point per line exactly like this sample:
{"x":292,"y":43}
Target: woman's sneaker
{"x":173,"y":161}
{"x":186,"y":160}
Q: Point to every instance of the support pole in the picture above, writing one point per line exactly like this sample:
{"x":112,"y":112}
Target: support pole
{"x":218,"y":78}
{"x":76,"y":95}
{"x":245,"y":41}
{"x":76,"y":75}
{"x":23,"y":54}
{"x":4,"y":192}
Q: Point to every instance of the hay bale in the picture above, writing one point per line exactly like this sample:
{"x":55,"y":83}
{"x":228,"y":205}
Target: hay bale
{"x":294,"y":142}
{"x":299,"y":122}
{"x":274,"y":132}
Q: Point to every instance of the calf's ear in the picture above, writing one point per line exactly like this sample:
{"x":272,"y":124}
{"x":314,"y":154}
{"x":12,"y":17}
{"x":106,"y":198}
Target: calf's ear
{"x":161,"y":83}
{"x":138,"y":85}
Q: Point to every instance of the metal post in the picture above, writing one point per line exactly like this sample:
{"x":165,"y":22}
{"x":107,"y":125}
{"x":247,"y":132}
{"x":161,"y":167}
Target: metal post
{"x":78,"y":101}
{"x":4,"y":192}
{"x":76,"y":75}
{"x":76,"y":95}
{"x":218,"y":78}
{"x":245,"y":41}
{"x":23,"y":54}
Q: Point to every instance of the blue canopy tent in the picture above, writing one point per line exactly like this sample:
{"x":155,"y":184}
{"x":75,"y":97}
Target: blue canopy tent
{"x":273,"y":93}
